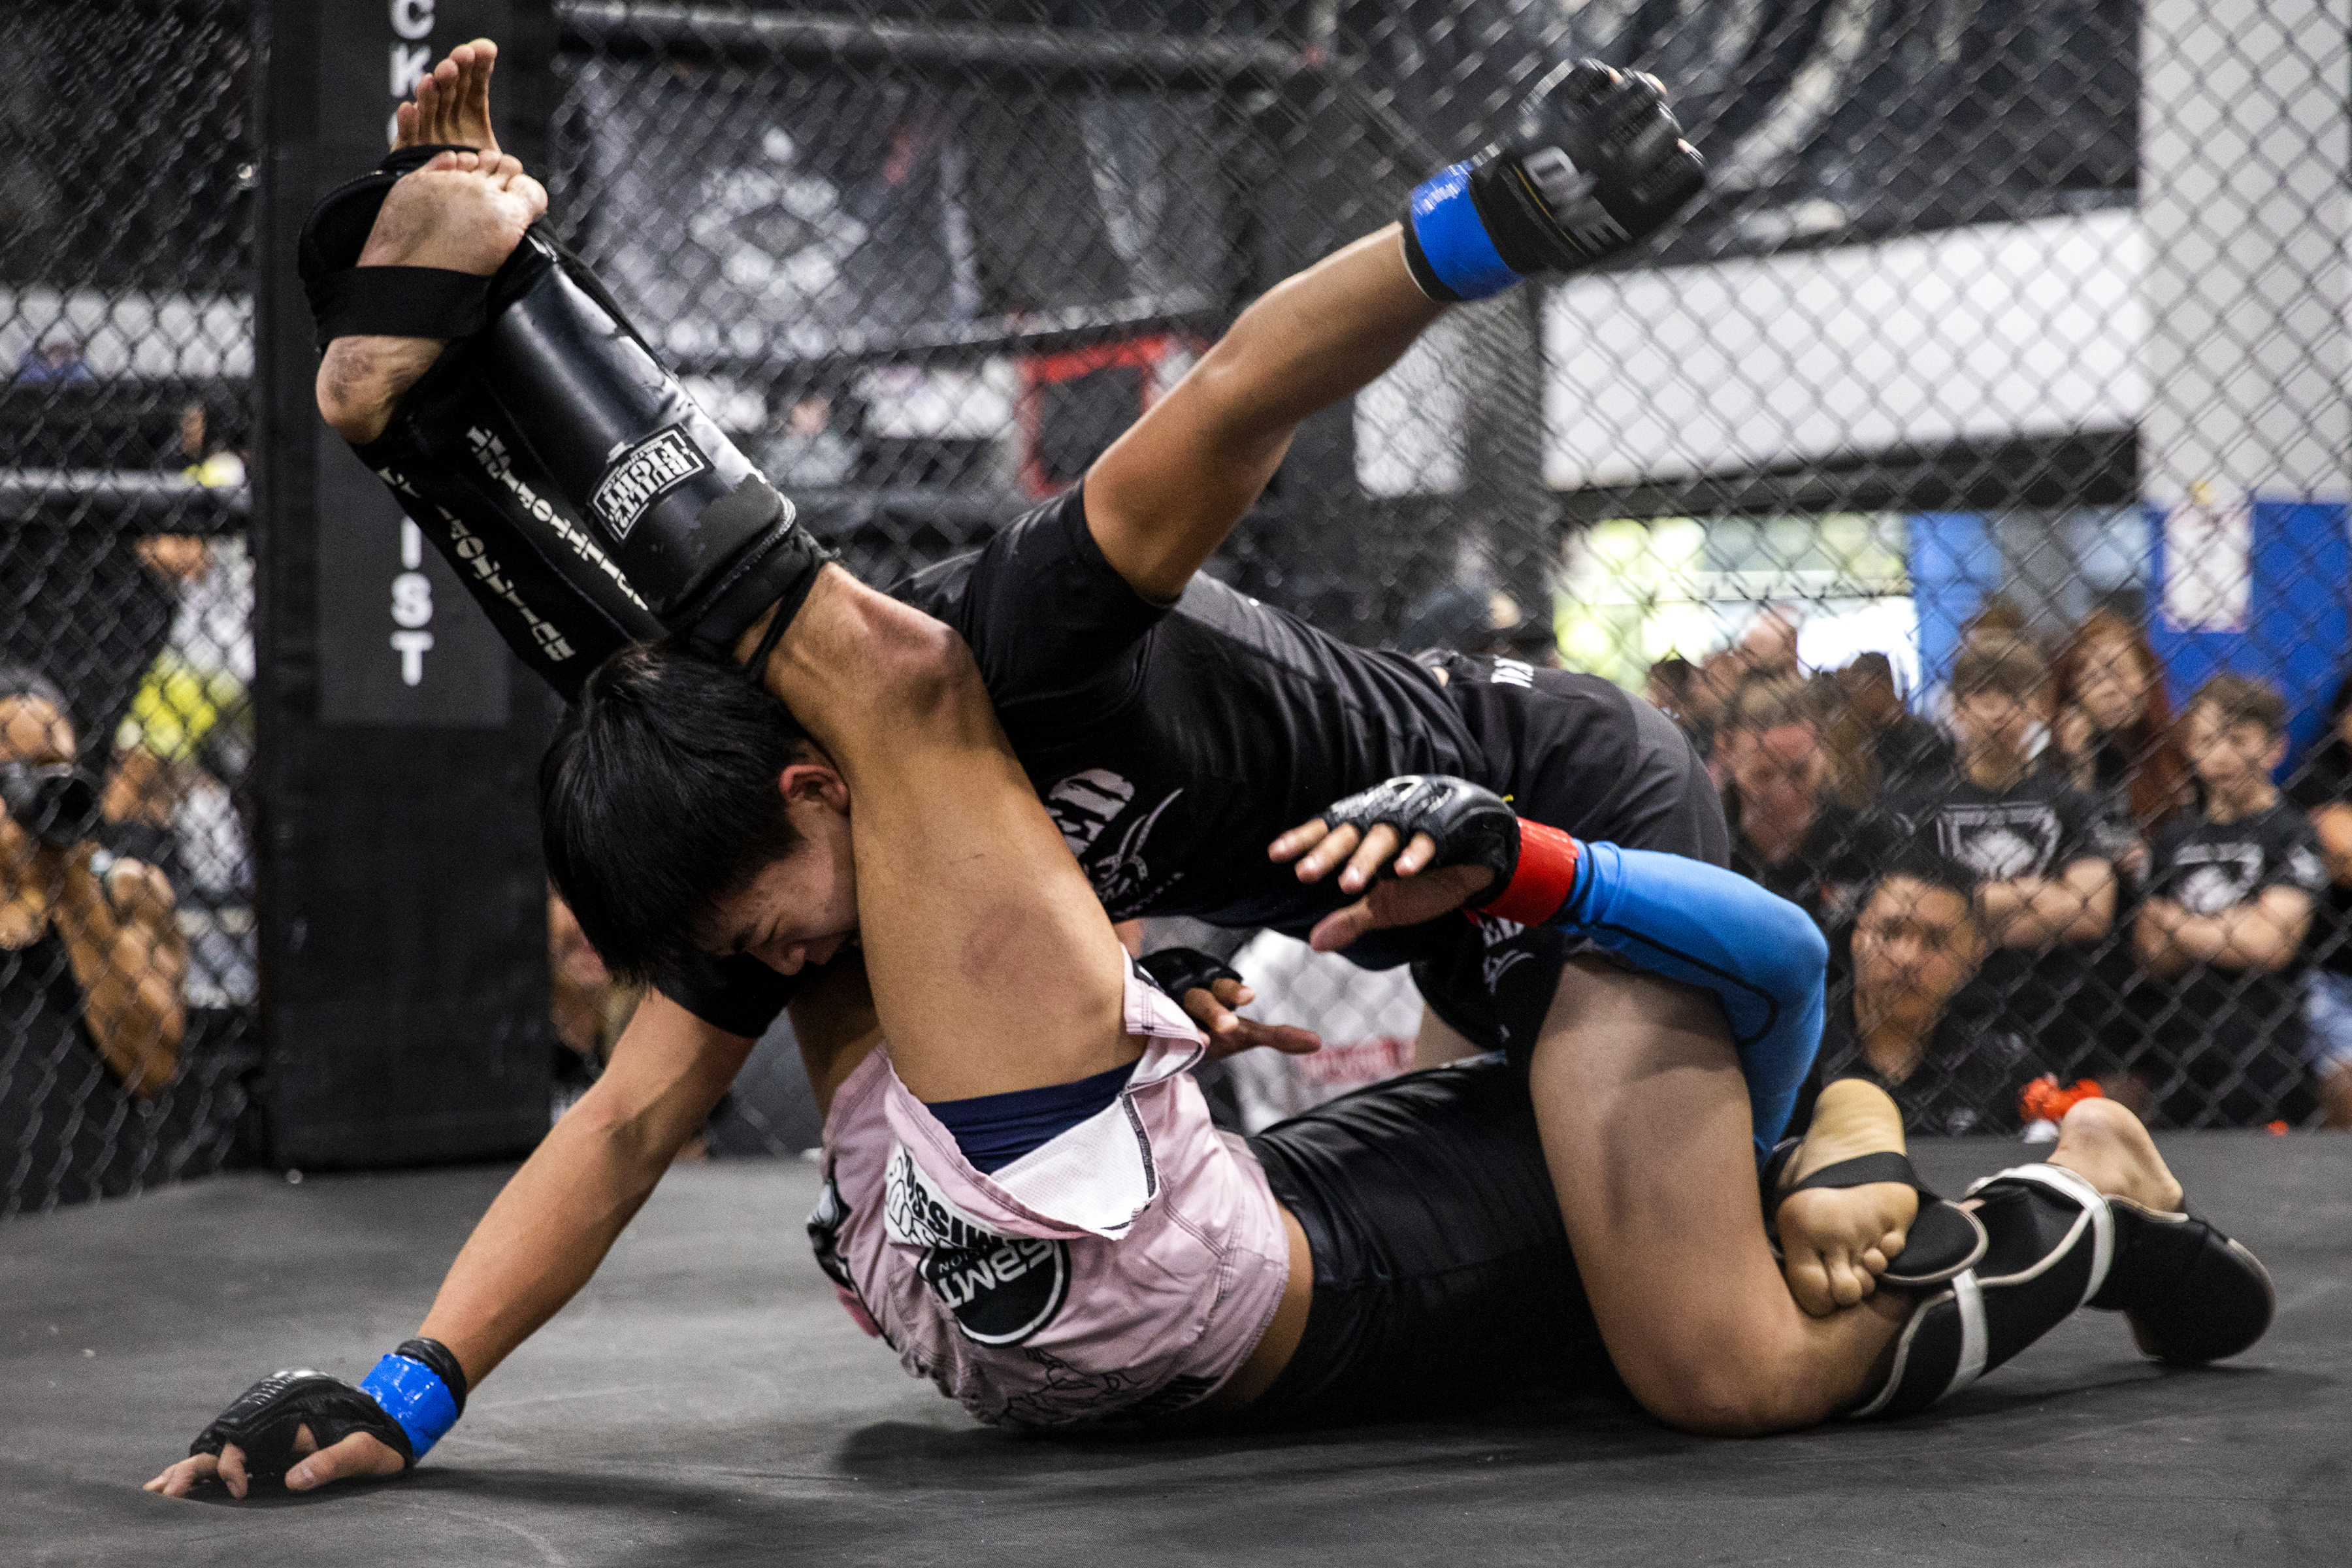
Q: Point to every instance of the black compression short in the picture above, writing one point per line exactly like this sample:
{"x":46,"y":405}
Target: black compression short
{"x":1494,"y":982}
{"x":1443,"y":1276}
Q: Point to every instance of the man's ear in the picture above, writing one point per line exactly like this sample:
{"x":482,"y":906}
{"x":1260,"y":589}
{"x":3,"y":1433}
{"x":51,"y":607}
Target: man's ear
{"x":814,"y":779}
{"x":2274,"y":754}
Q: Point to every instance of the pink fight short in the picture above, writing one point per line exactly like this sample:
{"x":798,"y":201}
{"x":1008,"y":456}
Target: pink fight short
{"x":1126,"y":1267}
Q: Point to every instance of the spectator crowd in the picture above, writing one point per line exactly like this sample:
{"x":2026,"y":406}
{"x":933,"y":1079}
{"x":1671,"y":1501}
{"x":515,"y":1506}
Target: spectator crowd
{"x":2068,"y":878}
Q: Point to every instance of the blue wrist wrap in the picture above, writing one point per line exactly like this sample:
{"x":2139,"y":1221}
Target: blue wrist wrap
{"x":412,"y":1395}
{"x":1452,"y":237}
{"x":1761,"y":956}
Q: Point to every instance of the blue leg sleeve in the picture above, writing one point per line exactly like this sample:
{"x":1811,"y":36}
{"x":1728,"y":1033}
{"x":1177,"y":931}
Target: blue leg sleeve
{"x":1761,"y":956}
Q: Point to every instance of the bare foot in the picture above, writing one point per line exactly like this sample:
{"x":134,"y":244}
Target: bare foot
{"x":452,"y":106}
{"x":461,"y":212}
{"x":1836,"y":1241}
{"x":2106,"y":1144}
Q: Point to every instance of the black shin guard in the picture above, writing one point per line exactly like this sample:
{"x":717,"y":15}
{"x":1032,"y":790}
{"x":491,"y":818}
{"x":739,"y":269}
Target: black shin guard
{"x":2050,"y":1240}
{"x":696,"y":529}
{"x":460,"y":471}
{"x":581,"y":497}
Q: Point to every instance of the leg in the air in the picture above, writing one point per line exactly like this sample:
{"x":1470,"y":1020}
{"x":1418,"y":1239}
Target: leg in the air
{"x":993,"y":966}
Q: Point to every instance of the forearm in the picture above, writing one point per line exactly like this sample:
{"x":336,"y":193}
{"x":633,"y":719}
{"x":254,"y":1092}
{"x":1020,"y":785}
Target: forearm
{"x":2156,"y":938}
{"x":1314,"y":338}
{"x":131,"y":975}
{"x":2041,"y":911}
{"x":543,"y":1237}
{"x":1167,"y":492}
{"x":2334,"y":824}
{"x":548,"y":1231}
{"x":2248,"y":937}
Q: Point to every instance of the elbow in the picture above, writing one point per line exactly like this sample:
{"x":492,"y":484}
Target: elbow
{"x":1803,"y":952}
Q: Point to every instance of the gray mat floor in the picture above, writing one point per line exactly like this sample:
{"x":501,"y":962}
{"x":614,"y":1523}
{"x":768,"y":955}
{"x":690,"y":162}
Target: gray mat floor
{"x":707,"y":1402}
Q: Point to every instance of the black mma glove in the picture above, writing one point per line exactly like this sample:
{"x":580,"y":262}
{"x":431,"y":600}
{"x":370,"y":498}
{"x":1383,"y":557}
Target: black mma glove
{"x":1177,"y":970}
{"x":1596,"y":163}
{"x":1535,"y":866}
{"x":412,"y":1397}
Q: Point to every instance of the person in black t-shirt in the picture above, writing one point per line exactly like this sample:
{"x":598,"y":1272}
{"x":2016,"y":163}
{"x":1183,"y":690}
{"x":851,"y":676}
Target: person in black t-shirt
{"x":2324,"y":791}
{"x":2231,"y":890}
{"x":1787,"y":832}
{"x":2047,"y":890}
{"x":1918,"y":943}
{"x":1904,"y":750}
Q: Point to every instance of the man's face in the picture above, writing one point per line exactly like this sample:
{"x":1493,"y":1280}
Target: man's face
{"x":1995,"y":722}
{"x":2230,"y":755}
{"x":1778,"y":769}
{"x":1914,"y":946}
{"x":800,"y":908}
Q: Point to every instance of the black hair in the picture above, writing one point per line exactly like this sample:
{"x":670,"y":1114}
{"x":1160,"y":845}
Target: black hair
{"x":1920,"y":860}
{"x":657,"y":800}
{"x":22,"y":680}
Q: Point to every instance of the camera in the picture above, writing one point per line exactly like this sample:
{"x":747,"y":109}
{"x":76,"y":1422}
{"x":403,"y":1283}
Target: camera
{"x":55,"y":802}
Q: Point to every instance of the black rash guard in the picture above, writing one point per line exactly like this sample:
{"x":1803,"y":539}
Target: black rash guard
{"x":1172,"y":744}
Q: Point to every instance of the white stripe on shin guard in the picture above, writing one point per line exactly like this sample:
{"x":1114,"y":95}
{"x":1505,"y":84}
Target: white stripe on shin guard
{"x":2067,"y":1184}
{"x":1970,"y":1298}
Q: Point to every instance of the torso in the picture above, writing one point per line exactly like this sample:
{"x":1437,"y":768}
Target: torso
{"x":1171,"y":745}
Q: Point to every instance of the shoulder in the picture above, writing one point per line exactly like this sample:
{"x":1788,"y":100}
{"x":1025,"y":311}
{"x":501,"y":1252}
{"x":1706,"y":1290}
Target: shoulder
{"x":2293,"y":846}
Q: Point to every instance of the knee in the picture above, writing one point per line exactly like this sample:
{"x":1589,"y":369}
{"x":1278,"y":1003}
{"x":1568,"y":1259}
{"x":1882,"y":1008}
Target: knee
{"x":912,"y":665}
{"x":1718,"y":1406}
{"x":1724,"y":1389}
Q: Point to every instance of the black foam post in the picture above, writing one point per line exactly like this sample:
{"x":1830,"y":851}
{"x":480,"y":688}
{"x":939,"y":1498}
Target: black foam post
{"x":403,"y":903}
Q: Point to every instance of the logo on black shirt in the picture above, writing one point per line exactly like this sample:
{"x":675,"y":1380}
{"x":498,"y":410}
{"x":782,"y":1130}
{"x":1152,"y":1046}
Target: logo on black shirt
{"x":2003,"y":840}
{"x":1085,"y":804}
{"x":2211,"y":877}
{"x":1000,"y":1289}
{"x":641,"y":476}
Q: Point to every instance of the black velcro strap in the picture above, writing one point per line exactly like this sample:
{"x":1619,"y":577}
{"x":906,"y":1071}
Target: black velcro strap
{"x":397,"y":302}
{"x":263,"y":1420}
{"x":1177,"y":970}
{"x":443,"y":1363}
{"x":1861,"y":1172}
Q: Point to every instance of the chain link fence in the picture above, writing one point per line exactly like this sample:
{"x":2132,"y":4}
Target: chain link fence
{"x":127,"y":975}
{"x":1987,"y":408}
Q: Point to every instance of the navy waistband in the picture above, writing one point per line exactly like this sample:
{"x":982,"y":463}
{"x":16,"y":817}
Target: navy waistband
{"x":994,"y":1130}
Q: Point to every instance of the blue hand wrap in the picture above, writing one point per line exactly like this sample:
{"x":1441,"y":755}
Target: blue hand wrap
{"x":412,"y":1395}
{"x":1761,"y":956}
{"x":1453,"y":237}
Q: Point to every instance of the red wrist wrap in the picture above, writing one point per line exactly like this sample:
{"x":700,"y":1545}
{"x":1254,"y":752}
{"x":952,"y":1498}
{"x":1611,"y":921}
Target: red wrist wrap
{"x":1543,"y":879}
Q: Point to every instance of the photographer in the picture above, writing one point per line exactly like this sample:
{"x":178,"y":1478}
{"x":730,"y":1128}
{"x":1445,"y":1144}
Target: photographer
{"x":92,"y":963}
